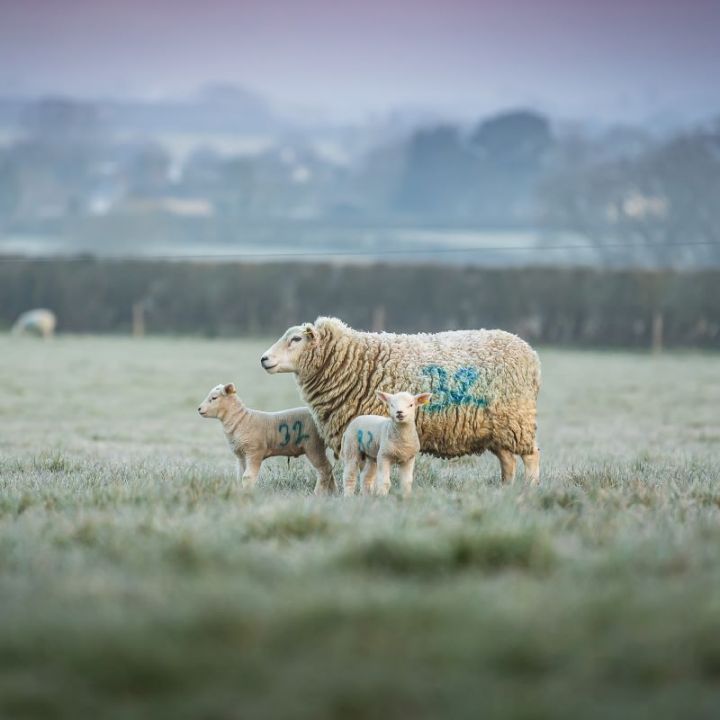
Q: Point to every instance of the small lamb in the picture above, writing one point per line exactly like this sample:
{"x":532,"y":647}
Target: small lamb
{"x":380,"y":441}
{"x":254,"y":435}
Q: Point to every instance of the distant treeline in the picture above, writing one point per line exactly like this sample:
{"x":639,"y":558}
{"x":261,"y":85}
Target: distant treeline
{"x":580,"y":307}
{"x":71,"y":178}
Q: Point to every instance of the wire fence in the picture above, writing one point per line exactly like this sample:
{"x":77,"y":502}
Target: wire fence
{"x":330,"y":254}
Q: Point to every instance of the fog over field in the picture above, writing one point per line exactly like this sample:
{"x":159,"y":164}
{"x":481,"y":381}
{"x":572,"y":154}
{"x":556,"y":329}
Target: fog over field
{"x":180,"y":129}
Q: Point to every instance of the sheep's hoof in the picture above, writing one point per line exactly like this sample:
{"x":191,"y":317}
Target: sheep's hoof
{"x":322,"y":488}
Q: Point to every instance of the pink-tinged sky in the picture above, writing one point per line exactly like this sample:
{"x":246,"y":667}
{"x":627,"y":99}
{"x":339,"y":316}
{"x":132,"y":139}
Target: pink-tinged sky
{"x":617,"y":59}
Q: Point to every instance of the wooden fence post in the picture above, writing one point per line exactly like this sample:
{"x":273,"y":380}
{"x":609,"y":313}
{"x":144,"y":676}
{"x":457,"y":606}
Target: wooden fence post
{"x":378,"y":318}
{"x":657,"y":331}
{"x":138,"y":319}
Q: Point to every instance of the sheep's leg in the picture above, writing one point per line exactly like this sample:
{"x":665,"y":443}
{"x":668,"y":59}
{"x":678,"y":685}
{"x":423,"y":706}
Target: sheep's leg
{"x":240,"y":468}
{"x":350,"y":472}
{"x":325,"y":484}
{"x":382,"y":484}
{"x":507,"y":464}
{"x":407,"y":470}
{"x":368,"y":476}
{"x":252,"y":468}
{"x":532,"y":466}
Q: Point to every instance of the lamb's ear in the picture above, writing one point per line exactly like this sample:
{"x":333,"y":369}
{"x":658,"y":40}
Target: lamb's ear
{"x":383,"y":396}
{"x":230,"y":389}
{"x":310,"y":332}
{"x":423,"y":398}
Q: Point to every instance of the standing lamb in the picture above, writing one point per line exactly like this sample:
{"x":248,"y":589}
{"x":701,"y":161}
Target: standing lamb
{"x":380,"y":441}
{"x":40,"y":322}
{"x":254,"y":435}
{"x":484,"y":384}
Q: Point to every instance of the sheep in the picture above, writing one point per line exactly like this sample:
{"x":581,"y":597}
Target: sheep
{"x":484,"y":383}
{"x":40,"y":322}
{"x":254,"y":435}
{"x":380,"y":441}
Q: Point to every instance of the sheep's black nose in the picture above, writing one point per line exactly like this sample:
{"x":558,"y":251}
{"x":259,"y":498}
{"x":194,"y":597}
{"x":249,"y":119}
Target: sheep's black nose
{"x":263,"y":360}
{"x":199,"y":408}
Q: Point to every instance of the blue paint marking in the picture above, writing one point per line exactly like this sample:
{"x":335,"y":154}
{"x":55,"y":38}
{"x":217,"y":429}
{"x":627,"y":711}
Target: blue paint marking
{"x":299,"y":435}
{"x":452,"y":391}
{"x":284,"y":430}
{"x":363,"y":444}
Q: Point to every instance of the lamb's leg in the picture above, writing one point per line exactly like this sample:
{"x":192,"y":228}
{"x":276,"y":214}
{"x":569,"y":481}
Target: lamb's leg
{"x":350,"y":472}
{"x":382,"y":484}
{"x":507,"y":464}
{"x":406,"y":476}
{"x":252,"y":468}
{"x":368,"y":476}
{"x":532,"y":466}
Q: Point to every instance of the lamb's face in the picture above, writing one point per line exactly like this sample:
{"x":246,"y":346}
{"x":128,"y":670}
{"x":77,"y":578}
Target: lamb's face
{"x":217,"y":401}
{"x":283,"y":356}
{"x":403,"y":405}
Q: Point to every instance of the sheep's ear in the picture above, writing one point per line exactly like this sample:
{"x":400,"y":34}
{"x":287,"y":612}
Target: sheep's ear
{"x":230,"y":389}
{"x":383,"y":396}
{"x":310,"y":332}
{"x":423,"y":398}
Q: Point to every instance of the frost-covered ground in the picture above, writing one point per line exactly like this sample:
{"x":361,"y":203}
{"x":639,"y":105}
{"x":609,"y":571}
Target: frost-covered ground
{"x":135,"y":581}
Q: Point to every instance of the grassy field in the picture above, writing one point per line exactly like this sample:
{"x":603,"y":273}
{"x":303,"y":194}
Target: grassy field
{"x":137,"y":582}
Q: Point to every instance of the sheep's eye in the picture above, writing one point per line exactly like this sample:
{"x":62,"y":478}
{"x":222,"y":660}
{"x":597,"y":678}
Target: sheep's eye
{"x":297,"y":338}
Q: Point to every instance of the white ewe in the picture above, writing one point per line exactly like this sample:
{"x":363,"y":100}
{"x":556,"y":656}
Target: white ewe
{"x":36,"y":322}
{"x":484,"y":383}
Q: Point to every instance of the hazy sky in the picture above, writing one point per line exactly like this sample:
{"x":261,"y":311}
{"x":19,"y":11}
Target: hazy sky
{"x":616,"y":59}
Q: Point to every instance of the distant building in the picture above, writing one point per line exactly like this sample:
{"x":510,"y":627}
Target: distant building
{"x":178,"y":206}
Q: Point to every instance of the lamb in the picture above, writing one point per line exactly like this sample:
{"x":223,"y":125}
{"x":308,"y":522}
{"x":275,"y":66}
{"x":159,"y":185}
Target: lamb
{"x":36,"y":322}
{"x":484,"y":383}
{"x":380,"y":441}
{"x":254,"y":435}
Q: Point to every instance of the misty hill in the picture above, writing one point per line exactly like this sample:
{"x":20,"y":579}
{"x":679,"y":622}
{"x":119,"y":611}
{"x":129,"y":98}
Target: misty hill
{"x":215,"y":108}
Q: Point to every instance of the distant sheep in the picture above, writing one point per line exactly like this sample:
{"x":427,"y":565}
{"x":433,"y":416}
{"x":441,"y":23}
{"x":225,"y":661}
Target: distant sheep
{"x":36,"y":322}
{"x":254,"y":435}
{"x":484,"y":383}
{"x":379,"y":442}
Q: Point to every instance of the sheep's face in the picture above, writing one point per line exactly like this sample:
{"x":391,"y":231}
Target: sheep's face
{"x":284,"y":355}
{"x":217,"y":400}
{"x":403,"y":405}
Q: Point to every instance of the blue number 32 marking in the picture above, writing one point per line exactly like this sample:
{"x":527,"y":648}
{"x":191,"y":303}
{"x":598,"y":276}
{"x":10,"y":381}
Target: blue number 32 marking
{"x":284,"y":430}
{"x":456,"y":390}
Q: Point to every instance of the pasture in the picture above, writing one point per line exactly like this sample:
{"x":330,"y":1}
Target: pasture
{"x":136,"y":581}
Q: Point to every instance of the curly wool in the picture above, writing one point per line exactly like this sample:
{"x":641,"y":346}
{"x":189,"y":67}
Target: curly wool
{"x":485,"y":385}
